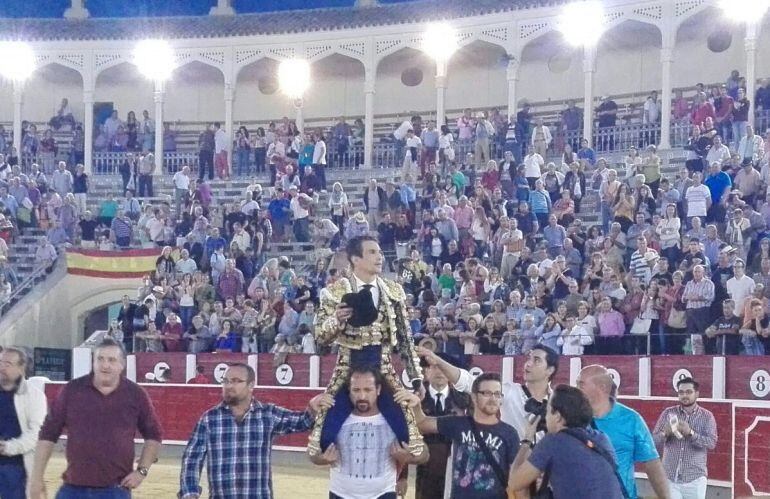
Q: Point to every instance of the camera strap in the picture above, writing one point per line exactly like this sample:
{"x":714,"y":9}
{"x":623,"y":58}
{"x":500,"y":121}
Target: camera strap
{"x":488,"y":454}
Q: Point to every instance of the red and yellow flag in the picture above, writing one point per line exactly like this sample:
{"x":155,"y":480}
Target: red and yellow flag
{"x":111,"y":264}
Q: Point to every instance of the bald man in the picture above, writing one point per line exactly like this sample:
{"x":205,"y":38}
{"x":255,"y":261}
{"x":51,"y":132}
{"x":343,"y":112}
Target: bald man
{"x":626,"y":430}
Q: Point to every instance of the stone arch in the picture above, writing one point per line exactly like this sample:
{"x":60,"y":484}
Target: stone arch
{"x":476,"y":77}
{"x":46,"y":87}
{"x":392,"y":89}
{"x":125,"y":87}
{"x":194,"y":89}
{"x":336,"y":80}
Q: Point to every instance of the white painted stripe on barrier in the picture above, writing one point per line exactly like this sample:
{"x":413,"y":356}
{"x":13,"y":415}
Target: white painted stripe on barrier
{"x":190,"y":366}
{"x":131,"y":367}
{"x":746,"y":434}
{"x":575,"y":365}
{"x":718,"y":377}
{"x":253,"y":362}
{"x":507,"y":373}
{"x":81,"y":362}
{"x":315,"y":371}
{"x":645,"y":377}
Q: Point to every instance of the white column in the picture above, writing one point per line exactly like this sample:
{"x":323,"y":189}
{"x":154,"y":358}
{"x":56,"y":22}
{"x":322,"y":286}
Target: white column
{"x":158,"y":96}
{"x":589,"y":68}
{"x":299,"y":119}
{"x":223,"y":8}
{"x":441,"y":67}
{"x":750,"y":44}
{"x":88,"y":130}
{"x":666,"y":61}
{"x":229,"y":97}
{"x":18,"y":98}
{"x":369,"y":88}
{"x":77,"y":10}
{"x":512,"y":74}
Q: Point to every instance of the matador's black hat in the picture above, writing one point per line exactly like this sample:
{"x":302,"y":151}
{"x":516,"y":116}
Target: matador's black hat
{"x":364,"y":311}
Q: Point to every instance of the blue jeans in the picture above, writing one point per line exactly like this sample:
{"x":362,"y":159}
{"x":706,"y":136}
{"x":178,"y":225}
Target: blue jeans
{"x":76,"y":492}
{"x":739,"y":131}
{"x":13,"y":481}
{"x":242,"y":161}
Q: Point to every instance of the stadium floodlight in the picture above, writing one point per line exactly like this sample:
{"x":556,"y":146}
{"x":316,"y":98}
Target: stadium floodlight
{"x":155,"y":59}
{"x":440,"y":41}
{"x":294,"y":77}
{"x":18,"y":60}
{"x":745,"y":11}
{"x":582,"y":23}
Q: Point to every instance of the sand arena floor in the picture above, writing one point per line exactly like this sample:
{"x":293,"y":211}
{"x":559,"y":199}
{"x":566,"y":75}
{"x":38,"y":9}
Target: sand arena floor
{"x":294,"y":477}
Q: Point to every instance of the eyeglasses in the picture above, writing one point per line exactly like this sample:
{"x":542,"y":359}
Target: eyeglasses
{"x":487,"y":393}
{"x":234,"y":381}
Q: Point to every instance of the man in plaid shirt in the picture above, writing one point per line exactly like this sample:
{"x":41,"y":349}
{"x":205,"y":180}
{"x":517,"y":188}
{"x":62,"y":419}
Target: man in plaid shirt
{"x":686,"y":432}
{"x":235,"y":438}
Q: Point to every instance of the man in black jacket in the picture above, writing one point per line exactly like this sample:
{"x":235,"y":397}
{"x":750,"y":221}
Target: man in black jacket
{"x":126,"y":320}
{"x":441,"y":399}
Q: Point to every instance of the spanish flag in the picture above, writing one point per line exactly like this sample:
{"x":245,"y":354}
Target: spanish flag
{"x":111,"y":264}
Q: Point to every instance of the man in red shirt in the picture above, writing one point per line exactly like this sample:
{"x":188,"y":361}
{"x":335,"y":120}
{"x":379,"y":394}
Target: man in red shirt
{"x":101,"y":412}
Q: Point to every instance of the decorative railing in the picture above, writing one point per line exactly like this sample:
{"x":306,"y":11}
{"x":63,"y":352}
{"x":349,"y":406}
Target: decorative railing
{"x":21,"y":289}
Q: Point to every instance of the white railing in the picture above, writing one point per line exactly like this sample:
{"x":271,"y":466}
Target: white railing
{"x":108,"y":162}
{"x":624,"y":137}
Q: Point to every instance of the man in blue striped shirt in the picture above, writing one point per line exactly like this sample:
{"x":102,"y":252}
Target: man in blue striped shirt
{"x":235,"y":439}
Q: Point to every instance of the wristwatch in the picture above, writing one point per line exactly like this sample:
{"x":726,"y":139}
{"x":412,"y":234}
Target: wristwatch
{"x":527,"y":442}
{"x":143,"y":471}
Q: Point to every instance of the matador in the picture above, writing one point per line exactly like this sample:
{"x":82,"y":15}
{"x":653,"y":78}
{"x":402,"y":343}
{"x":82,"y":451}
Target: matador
{"x":370,"y":344}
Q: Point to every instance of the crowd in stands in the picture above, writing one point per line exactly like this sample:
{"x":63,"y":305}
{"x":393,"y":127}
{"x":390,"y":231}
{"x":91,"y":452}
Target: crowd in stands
{"x":490,"y":244}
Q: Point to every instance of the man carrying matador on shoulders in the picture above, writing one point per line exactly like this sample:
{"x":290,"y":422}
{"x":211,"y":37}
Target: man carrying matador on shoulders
{"x":366,"y":316}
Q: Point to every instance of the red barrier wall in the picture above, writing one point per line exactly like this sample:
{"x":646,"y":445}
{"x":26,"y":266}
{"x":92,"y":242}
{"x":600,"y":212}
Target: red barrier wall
{"x":214,"y":364}
{"x":752,"y":450}
{"x":148,"y":362}
{"x":748,"y":378}
{"x":624,"y":369}
{"x":295,"y":371}
{"x":667,"y":369}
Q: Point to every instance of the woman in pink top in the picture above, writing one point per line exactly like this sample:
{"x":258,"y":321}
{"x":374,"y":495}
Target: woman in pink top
{"x":612,"y":328}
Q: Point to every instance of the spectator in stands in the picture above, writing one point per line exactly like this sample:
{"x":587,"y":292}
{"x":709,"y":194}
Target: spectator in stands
{"x":751,"y":146}
{"x":169,"y":138}
{"x":533,"y":164}
{"x":541,"y":138}
{"x":686,"y":432}
{"x":147,"y":132}
{"x":63,"y":116}
{"x":220,"y":152}
{"x":206,"y":145}
{"x":121,"y":230}
{"x":740,"y":114}
{"x":146,"y":169}
{"x":607,"y":117}
{"x":181,"y":181}
{"x":80,"y":185}
{"x":319,"y":158}
{"x":62,"y":181}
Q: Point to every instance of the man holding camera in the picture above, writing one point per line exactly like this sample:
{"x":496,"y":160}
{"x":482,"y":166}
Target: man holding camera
{"x":686,"y":432}
{"x":578,"y":460}
{"x":519,"y":400}
{"x":483,"y":447}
